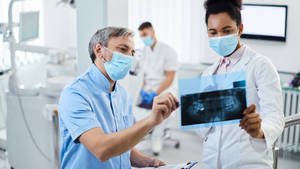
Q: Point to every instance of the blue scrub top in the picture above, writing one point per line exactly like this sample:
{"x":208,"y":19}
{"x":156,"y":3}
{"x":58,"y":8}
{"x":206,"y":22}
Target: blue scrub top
{"x":85,"y":104}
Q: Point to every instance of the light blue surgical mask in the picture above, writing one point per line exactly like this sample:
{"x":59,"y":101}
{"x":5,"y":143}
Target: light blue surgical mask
{"x":224,"y":45}
{"x":148,"y":41}
{"x":119,"y":66}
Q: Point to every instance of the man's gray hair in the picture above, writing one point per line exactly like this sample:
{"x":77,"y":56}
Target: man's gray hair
{"x":102,"y":36}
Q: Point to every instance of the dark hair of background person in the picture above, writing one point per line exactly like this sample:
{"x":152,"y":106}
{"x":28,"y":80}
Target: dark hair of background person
{"x":145,"y":25}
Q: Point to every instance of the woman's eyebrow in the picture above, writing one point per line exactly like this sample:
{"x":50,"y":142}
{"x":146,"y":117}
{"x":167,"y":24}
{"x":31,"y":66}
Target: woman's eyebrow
{"x":212,"y":29}
{"x":226,"y":27}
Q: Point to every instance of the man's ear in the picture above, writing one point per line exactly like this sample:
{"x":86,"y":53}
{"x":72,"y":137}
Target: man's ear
{"x":98,"y":50}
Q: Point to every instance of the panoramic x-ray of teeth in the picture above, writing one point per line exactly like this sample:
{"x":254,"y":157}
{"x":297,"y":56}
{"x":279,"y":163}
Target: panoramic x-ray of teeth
{"x":215,"y":106}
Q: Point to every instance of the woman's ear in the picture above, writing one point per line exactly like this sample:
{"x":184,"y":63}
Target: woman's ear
{"x":241,"y":29}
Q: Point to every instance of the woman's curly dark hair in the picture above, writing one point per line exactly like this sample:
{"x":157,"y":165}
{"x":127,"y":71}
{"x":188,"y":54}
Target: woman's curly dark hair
{"x":231,"y":7}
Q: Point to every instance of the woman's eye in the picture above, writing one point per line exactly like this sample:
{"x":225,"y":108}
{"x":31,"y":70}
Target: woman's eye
{"x":213,"y":33}
{"x":227,"y":31}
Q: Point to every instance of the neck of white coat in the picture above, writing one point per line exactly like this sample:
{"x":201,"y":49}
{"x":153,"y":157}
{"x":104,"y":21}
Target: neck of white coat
{"x":154,"y":43}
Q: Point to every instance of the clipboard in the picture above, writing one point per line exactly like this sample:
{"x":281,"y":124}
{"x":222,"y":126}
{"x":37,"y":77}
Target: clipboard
{"x":188,"y":165}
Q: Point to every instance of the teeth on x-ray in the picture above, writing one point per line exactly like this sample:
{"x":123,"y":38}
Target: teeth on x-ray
{"x":216,"y":106}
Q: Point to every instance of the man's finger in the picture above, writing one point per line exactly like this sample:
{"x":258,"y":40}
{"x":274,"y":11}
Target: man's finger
{"x":162,"y":99}
{"x":173,"y":97}
{"x":156,"y":163}
{"x":169,"y":103}
{"x":166,"y":115}
{"x":163,"y":108}
{"x":173,"y":102}
{"x":162,"y":163}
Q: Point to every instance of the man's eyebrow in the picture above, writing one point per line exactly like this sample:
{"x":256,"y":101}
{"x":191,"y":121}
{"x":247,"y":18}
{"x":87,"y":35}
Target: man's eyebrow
{"x":124,"y":45}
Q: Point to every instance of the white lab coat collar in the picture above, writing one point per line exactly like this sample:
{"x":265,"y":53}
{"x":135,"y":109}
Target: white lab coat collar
{"x":247,"y":56}
{"x":156,"y":47}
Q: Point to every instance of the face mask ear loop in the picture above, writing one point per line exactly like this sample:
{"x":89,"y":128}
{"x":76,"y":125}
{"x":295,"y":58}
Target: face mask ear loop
{"x":103,"y":60}
{"x":108,"y":51}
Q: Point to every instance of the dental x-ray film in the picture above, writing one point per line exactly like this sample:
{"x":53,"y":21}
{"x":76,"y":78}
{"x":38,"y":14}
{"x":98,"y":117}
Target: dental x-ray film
{"x":212,"y":100}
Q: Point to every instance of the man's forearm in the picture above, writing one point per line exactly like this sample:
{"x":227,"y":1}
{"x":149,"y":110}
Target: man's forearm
{"x":123,"y":141}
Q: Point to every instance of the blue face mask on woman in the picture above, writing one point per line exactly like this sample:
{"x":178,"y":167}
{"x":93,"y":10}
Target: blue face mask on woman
{"x":224,"y":45}
{"x":119,"y":66}
{"x":148,"y":41}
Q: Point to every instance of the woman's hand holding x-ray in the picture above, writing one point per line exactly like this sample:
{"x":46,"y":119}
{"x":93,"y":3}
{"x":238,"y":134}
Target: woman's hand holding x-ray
{"x":251,"y":122}
{"x":163,"y":106}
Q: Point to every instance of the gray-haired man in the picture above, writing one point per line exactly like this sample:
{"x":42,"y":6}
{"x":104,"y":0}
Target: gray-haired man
{"x":96,"y":122}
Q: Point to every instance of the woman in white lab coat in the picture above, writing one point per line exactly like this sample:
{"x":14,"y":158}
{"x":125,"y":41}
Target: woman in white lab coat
{"x":247,"y":145}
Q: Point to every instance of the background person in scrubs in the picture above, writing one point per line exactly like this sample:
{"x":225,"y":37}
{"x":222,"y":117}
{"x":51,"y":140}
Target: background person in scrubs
{"x":247,"y":145}
{"x":159,"y":64}
{"x":95,"y":112}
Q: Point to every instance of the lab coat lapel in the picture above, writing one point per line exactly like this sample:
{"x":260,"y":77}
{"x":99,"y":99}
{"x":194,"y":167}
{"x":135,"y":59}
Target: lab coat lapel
{"x":241,"y":65}
{"x":212,"y":69}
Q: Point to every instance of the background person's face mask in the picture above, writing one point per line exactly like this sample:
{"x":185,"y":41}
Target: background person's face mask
{"x":148,"y":41}
{"x":119,"y":66}
{"x":224,"y":45}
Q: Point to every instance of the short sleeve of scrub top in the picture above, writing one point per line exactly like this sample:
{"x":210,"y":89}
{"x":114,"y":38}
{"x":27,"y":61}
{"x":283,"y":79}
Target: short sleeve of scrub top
{"x":77,"y":115}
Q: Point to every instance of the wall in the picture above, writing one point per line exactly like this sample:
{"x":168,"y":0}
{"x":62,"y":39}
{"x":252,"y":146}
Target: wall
{"x":93,"y":16}
{"x":90,"y":17}
{"x":117,"y":13}
{"x":59,"y":25}
{"x":284,"y":55}
{"x":176,"y":23}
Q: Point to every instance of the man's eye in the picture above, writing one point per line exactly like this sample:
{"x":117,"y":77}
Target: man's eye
{"x":123,"y":49}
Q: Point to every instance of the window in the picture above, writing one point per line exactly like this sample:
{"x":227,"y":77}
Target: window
{"x":179,"y":23}
{"x":27,"y":5}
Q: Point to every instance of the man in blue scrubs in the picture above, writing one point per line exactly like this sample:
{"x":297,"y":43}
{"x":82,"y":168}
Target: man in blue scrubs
{"x":95,"y":112}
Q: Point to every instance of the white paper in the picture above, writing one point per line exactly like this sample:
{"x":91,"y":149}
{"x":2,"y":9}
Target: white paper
{"x":172,"y":166}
